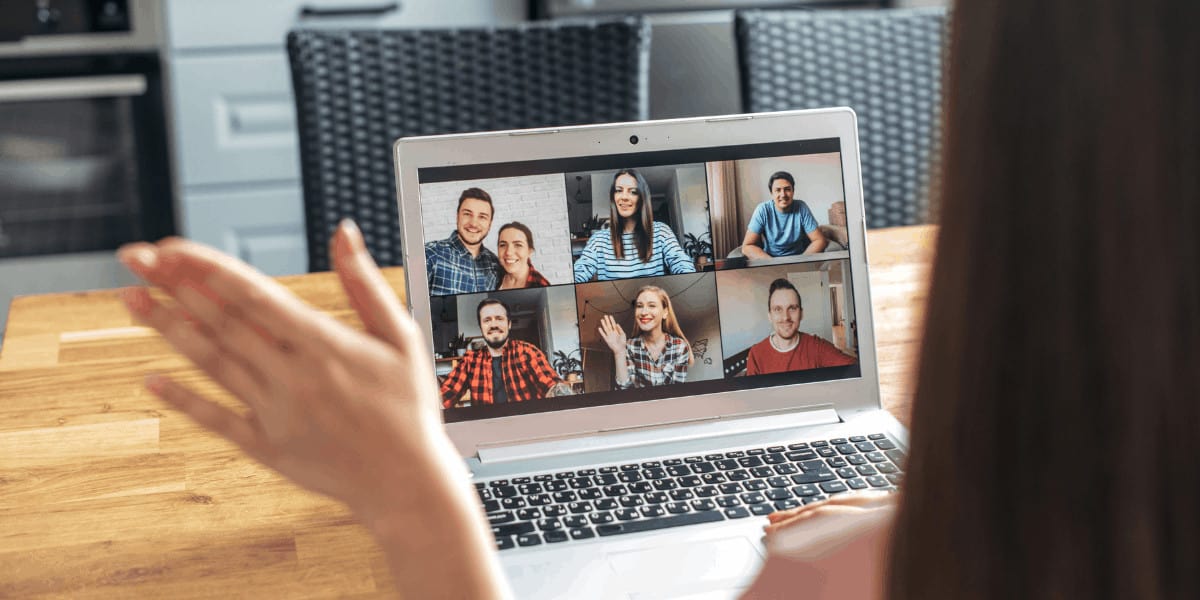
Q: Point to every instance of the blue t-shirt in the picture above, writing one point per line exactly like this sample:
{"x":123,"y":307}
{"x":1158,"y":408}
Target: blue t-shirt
{"x":786,"y":233}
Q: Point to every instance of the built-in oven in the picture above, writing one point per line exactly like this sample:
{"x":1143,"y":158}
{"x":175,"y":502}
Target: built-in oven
{"x":84,"y":163}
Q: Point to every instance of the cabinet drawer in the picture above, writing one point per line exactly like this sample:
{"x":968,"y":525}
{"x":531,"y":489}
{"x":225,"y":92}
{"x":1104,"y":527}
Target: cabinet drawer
{"x":264,"y":227}
{"x":196,"y":24}
{"x":235,"y":120}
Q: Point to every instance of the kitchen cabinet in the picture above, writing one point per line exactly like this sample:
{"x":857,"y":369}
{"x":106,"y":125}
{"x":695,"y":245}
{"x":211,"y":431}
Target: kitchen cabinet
{"x":233,"y":121}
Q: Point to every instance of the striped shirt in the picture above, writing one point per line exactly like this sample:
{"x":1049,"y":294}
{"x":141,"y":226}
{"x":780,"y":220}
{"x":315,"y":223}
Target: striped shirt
{"x":599,"y":261}
{"x":644,"y":371}
{"x":452,"y":269}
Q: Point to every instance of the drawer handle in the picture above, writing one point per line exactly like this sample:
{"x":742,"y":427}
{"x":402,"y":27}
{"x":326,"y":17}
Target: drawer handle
{"x":349,"y":11}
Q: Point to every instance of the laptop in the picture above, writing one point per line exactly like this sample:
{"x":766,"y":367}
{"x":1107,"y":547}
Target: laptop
{"x":632,"y":387}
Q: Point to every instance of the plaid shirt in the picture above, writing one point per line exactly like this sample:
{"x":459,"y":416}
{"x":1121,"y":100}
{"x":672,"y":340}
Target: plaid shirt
{"x":534,"y":279}
{"x":671,"y":366}
{"x":526,"y":373}
{"x":452,"y":269}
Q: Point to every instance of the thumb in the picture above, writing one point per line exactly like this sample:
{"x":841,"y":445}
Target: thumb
{"x":370,"y":294}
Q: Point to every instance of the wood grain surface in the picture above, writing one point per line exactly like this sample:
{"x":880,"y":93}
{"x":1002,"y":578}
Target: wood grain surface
{"x":105,"y":492}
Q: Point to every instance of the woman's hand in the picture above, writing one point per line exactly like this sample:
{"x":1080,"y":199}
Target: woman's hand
{"x":348,"y":414}
{"x":833,"y":549}
{"x":613,"y":335}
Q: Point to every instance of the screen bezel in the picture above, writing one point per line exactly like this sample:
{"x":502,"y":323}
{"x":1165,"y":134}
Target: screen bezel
{"x":845,"y":395}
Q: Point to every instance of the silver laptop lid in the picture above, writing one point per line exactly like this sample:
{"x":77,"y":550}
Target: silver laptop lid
{"x":703,"y":334}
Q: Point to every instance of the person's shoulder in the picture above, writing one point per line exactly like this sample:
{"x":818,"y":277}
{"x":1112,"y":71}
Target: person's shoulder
{"x":761,"y":346}
{"x":661,"y":228}
{"x":600,"y":235}
{"x":815,"y":340}
{"x":675,"y":340}
{"x":525,"y":347}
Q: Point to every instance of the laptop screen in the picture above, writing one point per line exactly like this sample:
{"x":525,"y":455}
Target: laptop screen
{"x":587,"y":281}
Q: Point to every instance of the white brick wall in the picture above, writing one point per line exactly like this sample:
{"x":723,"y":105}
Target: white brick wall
{"x":538,"y":201}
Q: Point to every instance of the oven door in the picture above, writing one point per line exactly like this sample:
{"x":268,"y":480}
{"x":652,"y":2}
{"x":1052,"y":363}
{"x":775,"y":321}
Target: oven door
{"x":83,"y":154}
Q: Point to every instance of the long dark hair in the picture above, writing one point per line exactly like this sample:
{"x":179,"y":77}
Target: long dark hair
{"x":1056,"y":423}
{"x":643,"y":230}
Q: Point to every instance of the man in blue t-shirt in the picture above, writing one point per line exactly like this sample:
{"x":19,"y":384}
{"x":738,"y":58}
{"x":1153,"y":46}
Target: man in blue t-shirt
{"x":782,"y":226}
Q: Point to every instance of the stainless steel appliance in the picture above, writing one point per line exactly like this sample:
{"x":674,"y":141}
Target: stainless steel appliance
{"x":84,"y":161}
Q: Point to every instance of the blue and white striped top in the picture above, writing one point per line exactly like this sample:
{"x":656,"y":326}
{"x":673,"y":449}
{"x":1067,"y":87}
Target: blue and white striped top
{"x":598,"y":259}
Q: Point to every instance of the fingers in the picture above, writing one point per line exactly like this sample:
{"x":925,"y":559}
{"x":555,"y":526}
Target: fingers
{"x":195,"y":343}
{"x":261,"y":358}
{"x":258,"y":299}
{"x":855,"y":502}
{"x":207,"y":414}
{"x":369,"y":293}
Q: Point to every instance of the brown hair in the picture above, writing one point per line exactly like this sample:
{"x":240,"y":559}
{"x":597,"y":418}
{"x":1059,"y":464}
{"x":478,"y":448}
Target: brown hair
{"x":643,"y":231}
{"x":1056,"y":421}
{"x":477,"y":194}
{"x":669,"y":325}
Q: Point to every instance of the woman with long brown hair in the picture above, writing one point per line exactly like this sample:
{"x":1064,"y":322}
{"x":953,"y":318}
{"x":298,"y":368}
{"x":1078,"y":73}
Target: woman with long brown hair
{"x":655,"y":351}
{"x":1056,"y":421}
{"x":633,"y":244}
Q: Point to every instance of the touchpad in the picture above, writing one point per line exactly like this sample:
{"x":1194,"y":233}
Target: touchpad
{"x":717,"y":568}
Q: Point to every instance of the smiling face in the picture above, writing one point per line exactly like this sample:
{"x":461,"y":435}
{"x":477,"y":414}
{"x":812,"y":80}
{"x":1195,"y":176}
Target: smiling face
{"x":474,"y":220}
{"x":626,"y":195}
{"x":513,"y":249}
{"x":493,"y":322}
{"x":782,"y":193}
{"x":649,"y":311}
{"x":785,"y":312}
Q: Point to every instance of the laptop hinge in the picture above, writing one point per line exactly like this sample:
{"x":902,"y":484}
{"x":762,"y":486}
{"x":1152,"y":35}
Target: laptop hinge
{"x":645,"y":435}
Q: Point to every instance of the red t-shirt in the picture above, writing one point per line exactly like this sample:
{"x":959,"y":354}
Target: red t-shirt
{"x":812,"y":352}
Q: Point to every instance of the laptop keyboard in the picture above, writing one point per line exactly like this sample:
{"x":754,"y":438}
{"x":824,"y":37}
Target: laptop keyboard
{"x":551,"y":508}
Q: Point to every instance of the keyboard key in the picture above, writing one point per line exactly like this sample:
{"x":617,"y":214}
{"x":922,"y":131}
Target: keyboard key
{"x":738,"y":475}
{"x":681,"y":495}
{"x":787,"y":468}
{"x":833,"y":487}
{"x":703,"y":504}
{"x":876,"y":457}
{"x":805,"y":490}
{"x":575,"y":521}
{"x":713,"y":478}
{"x":775,"y":449}
{"x":778,"y":494}
{"x":651,"y":464}
{"x":629,"y":467}
{"x":730,"y":488}
{"x":762,"y":472}
{"x":512,"y":502}
{"x":529,"y":539}
{"x":582,"y":533}
{"x":750,"y":461}
{"x":589,"y":494}
{"x":554,"y":537}
{"x":557,"y":485}
{"x":876,"y":436}
{"x":654,"y":473}
{"x":820,"y":444}
{"x":631,"y":501}
{"x":704,"y":467}
{"x":690,"y":481}
{"x":887,"y":468}
{"x":656,"y":498}
{"x":691,"y":518}
{"x":712,"y":457}
{"x":846,"y":449}
{"x":543,"y":477}
{"x":579,"y":483}
{"x":606,"y":504}
{"x":856,"y":484}
{"x":641,"y":487}
{"x":895,"y":479}
{"x":866,"y":470}
{"x":607,"y":470}
{"x":693,"y":459}
{"x":814,"y":477}
{"x":727,"y":464}
{"x":779,"y":482}
{"x":854,"y":439}
{"x":826,"y":452}
{"x":663,"y":485}
{"x":551,"y":524}
{"x":707,"y":491}
{"x":812,"y":465}
{"x":585,"y":472}
{"x":885,"y":445}
{"x":498,"y":483}
{"x":752,"y":498}
{"x":517,"y":481}
{"x":836,"y":462}
{"x":501,"y":517}
{"x":652,"y":510}
{"x":800,"y":455}
{"x":847,"y":473}
{"x":564,"y":497}
{"x":605,"y":479}
{"x":504,"y":491}
{"x":679,"y":470}
{"x":529,"y":514}
{"x":627,"y":514}
{"x":786,"y":504}
{"x":491,"y":506}
{"x":897,"y":456}
{"x":811,"y":499}
{"x":837,"y":441}
{"x":727,"y":501}
{"x":877,"y":481}
{"x":856,"y":459}
{"x":755,"y":452}
{"x":630,"y":476}
{"x":556,"y":510}
{"x":600,"y":518}
{"x":672,"y":462}
{"x":761,"y":509}
{"x":799,"y":446}
{"x":529,"y":489}
{"x":579,"y":507}
{"x":564,"y":475}
{"x":678,"y":508}
{"x":736,"y":512}
{"x":754,"y":485}
{"x":512,"y":529}
{"x":735,"y":454}
{"x":505,"y":543}
{"x":774,"y":458}
{"x":865,"y":447}
{"x":613,"y":491}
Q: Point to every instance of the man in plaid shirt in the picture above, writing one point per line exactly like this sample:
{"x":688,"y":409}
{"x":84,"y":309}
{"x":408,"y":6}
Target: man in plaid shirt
{"x":503,"y":371}
{"x":460,"y":264}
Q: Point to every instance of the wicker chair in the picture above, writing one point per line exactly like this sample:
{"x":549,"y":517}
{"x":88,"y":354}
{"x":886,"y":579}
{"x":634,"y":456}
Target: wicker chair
{"x":885,"y":64}
{"x":358,"y":91}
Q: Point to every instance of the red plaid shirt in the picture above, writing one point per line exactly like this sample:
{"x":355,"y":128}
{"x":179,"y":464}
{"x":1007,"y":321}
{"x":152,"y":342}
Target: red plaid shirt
{"x":526,"y":373}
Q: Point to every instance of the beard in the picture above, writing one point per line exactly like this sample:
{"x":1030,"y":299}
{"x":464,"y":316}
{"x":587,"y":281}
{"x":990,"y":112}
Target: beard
{"x":496,"y":344}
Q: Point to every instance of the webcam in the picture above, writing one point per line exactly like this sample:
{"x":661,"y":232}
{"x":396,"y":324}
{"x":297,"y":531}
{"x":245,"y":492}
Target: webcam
{"x":633,"y":139}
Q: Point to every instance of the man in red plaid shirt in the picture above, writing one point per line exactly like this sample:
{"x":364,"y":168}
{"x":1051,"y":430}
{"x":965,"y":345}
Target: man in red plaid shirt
{"x":504,"y":370}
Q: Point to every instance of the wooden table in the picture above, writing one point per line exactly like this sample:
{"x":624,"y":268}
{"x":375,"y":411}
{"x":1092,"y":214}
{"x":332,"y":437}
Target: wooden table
{"x":105,"y":492}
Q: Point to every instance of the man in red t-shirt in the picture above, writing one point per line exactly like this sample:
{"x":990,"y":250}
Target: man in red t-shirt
{"x":786,"y":349}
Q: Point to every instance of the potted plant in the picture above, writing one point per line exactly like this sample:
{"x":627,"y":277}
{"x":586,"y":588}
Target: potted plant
{"x":697,"y":246}
{"x":592,"y":224}
{"x":458,"y":345}
{"x":566,"y":363}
